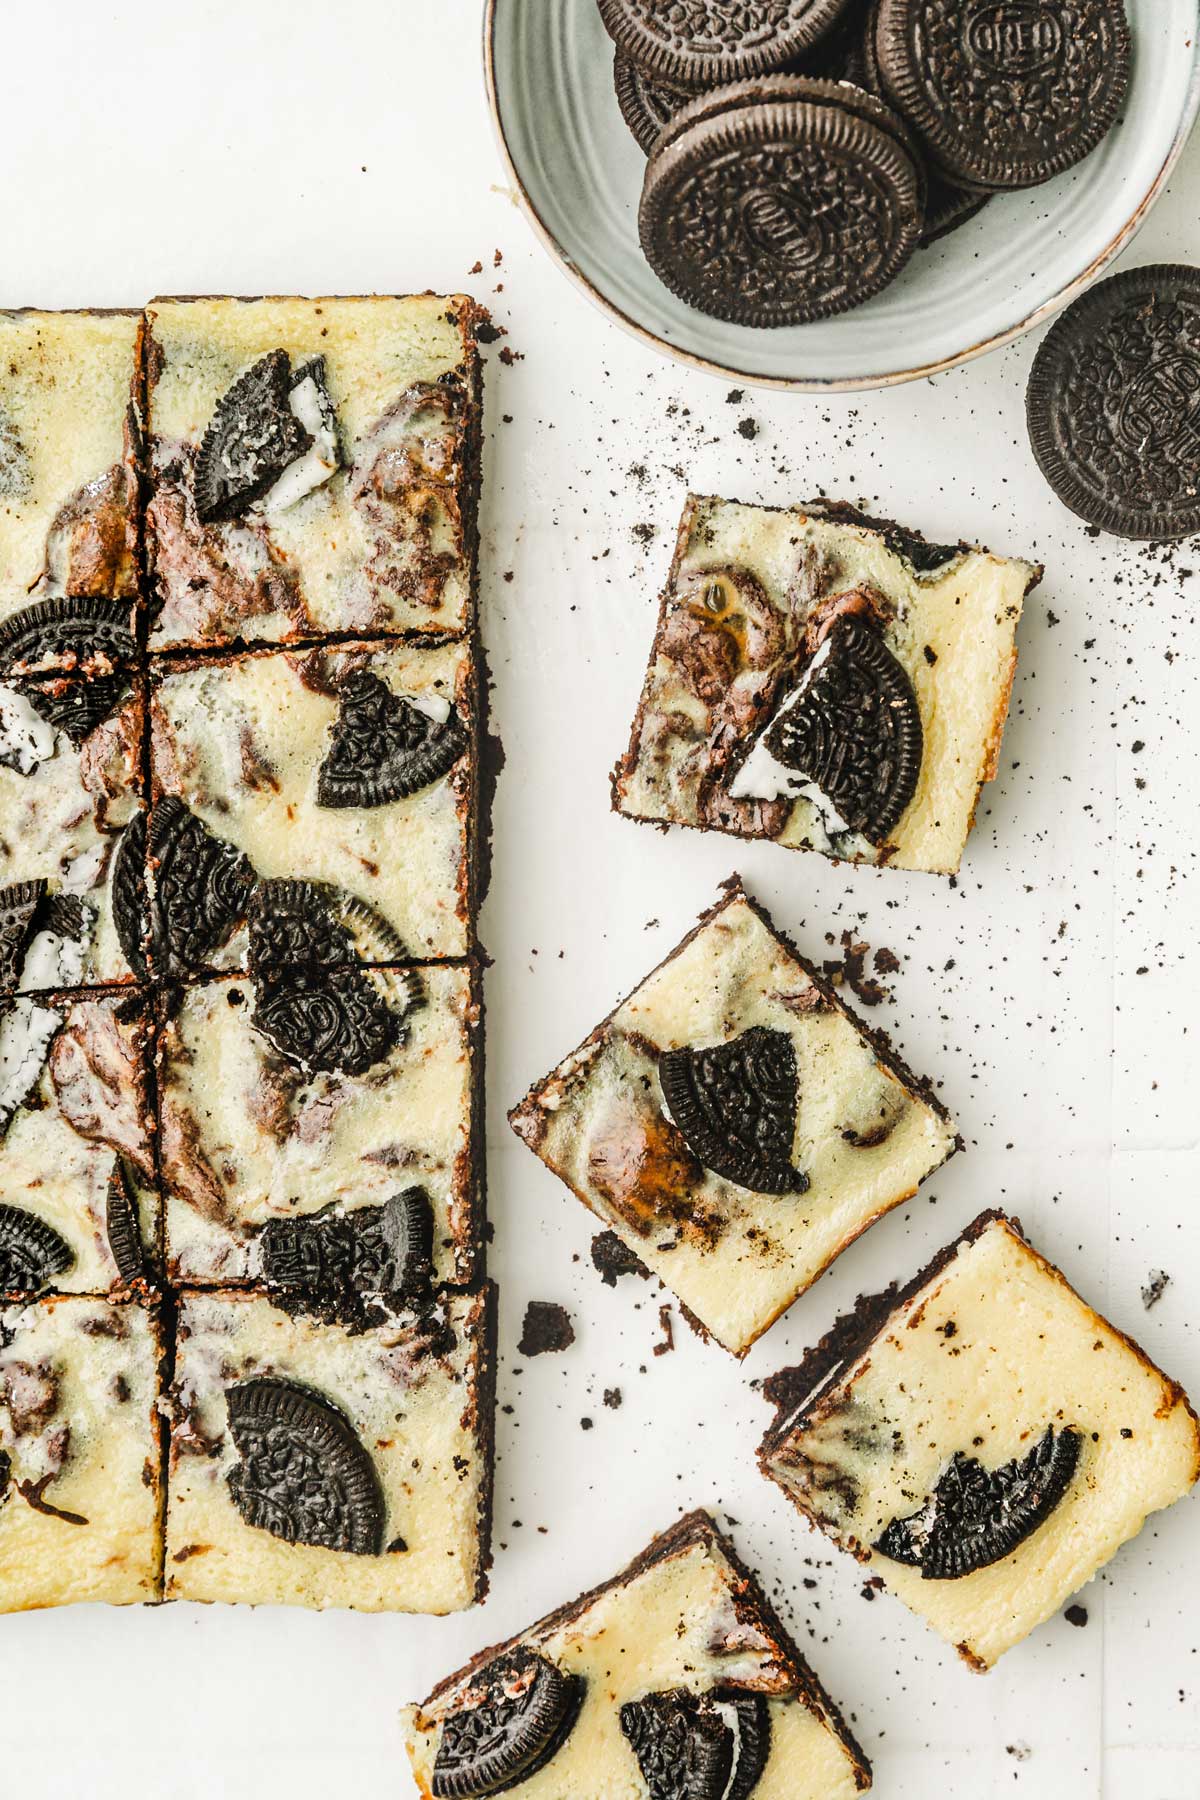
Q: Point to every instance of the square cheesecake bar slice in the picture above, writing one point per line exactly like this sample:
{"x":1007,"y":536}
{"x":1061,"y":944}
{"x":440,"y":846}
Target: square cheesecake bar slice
{"x":79,"y":1207}
{"x":677,"y":1664}
{"x":80,"y":1452}
{"x":351,"y":765}
{"x":314,"y":467}
{"x":734,"y":1124}
{"x":312,"y":1465}
{"x":981,"y":1438}
{"x":68,"y":477}
{"x":70,"y":786}
{"x":827,"y":680}
{"x":306,"y":1117}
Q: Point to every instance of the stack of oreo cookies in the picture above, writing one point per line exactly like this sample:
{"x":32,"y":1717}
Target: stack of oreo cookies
{"x":799,"y":151}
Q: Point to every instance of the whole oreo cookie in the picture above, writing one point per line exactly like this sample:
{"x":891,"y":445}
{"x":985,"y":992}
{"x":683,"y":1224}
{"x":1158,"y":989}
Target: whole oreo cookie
{"x":1005,"y":93}
{"x":1113,"y":404}
{"x":703,"y":43}
{"x":781,"y":200}
{"x":646,"y":105}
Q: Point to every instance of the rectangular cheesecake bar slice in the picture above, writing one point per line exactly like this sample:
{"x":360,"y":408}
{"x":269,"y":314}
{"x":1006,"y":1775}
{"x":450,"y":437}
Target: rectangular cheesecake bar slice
{"x":826,"y":680}
{"x":353,"y":765}
{"x":312,"y":1465}
{"x":677,"y":1662}
{"x":734,"y":1124}
{"x":79,"y":1207}
{"x":80,"y":1453}
{"x":68,"y":482}
{"x":70,"y":784}
{"x":314,"y":467}
{"x":260,"y":1147}
{"x":982,"y":1439}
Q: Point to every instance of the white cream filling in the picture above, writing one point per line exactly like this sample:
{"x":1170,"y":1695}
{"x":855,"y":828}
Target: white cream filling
{"x":25,"y":1033}
{"x":729,"y":1715}
{"x":26,"y":739}
{"x":763,"y":777}
{"x":314,"y":467}
{"x":55,"y":961}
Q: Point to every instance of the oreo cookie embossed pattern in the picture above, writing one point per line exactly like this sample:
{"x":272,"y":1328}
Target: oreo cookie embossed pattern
{"x":1113,"y":404}
{"x":767,"y":204}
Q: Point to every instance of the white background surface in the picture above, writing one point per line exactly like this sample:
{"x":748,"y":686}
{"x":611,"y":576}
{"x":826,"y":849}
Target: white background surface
{"x":281,"y":145}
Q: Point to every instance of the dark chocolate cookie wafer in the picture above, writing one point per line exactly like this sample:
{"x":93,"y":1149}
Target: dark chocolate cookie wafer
{"x":702,"y":43}
{"x":1113,"y":404}
{"x":947,"y":204}
{"x":1005,"y":93}
{"x":779,"y":201}
{"x":646,"y":106}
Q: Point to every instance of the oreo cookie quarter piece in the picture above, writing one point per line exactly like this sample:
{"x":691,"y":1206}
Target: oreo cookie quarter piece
{"x":1113,"y":404}
{"x":778,"y":202}
{"x":1005,"y":93}
{"x":700,"y":44}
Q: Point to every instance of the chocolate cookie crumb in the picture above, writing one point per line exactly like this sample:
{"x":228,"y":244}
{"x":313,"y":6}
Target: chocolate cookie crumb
{"x":612,"y":1398}
{"x":613,"y":1259}
{"x":668,"y":1331}
{"x":547,"y":1328}
{"x":1156,"y":1286}
{"x":1077,"y":1616}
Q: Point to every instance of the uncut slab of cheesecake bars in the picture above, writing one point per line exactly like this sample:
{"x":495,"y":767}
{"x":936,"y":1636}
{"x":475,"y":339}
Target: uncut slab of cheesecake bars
{"x":246,"y":1339}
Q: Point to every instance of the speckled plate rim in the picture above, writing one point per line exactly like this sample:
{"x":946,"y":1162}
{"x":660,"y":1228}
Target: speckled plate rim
{"x":831,"y":384}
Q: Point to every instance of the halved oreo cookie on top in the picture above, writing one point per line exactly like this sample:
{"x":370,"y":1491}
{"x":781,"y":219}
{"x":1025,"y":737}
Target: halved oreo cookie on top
{"x":1006,"y":93}
{"x":32,"y":1253}
{"x":707,"y":1746}
{"x":510,"y":1722}
{"x":775,"y":202}
{"x":304,"y":1474}
{"x":316,"y":922}
{"x":273,"y":438}
{"x":68,"y":635}
{"x":199,"y":888}
{"x":1113,"y":404}
{"x":385,"y":746}
{"x":848,"y":736}
{"x":70,"y":659}
{"x":335,"y":1264}
{"x":328,"y":1019}
{"x":976,"y":1516}
{"x":735,"y":1106}
{"x":705,"y":43}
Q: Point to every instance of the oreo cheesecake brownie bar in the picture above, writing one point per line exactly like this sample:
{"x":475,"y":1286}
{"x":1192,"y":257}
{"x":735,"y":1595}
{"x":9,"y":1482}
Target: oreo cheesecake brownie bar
{"x":80,"y":1453}
{"x":826,"y":680}
{"x":68,"y":482}
{"x":313,"y":1114}
{"x":734,"y":1124}
{"x":678,"y":1667}
{"x":70,"y":781}
{"x":79,"y":1208}
{"x":318,"y":1464}
{"x":982,"y":1439}
{"x":351,"y":765}
{"x":313,"y":467}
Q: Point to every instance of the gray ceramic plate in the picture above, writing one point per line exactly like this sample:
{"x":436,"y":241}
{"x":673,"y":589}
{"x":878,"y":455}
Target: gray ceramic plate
{"x":578,"y":172}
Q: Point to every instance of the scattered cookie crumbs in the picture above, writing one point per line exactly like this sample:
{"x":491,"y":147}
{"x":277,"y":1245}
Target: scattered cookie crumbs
{"x":612,"y":1398}
{"x":547,"y":1329}
{"x":1156,"y":1286}
{"x":1018,"y":1752}
{"x":668,"y":1331}
{"x":613,"y":1259}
